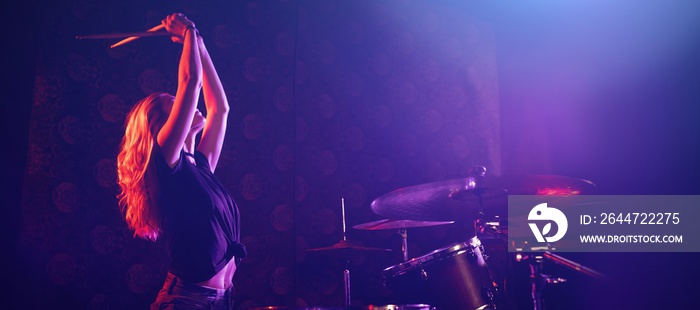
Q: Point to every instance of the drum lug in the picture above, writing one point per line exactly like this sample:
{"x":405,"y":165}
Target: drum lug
{"x":473,"y":258}
{"x":489,"y":296}
{"x":483,"y":253}
{"x":423,"y":274}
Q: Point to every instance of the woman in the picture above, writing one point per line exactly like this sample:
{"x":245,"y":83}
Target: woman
{"x":168,"y":188}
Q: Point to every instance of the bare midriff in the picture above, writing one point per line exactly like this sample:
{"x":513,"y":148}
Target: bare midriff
{"x":223,"y":279}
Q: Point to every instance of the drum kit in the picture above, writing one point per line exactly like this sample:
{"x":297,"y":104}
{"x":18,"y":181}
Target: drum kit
{"x":458,"y":276}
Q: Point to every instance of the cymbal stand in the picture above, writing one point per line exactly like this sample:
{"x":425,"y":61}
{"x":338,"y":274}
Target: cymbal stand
{"x":346,"y":271}
{"x":538,"y":280}
{"x":475,"y":175}
{"x":404,"y":243}
{"x":346,"y":283}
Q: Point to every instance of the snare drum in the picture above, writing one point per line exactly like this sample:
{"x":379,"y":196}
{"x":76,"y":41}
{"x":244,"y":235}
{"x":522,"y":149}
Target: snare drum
{"x":295,"y":308}
{"x":453,"y":277}
{"x":401,"y":307}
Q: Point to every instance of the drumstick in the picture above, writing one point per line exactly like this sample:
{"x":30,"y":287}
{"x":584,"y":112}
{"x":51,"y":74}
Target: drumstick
{"x":132,"y":38}
{"x":122,"y":35}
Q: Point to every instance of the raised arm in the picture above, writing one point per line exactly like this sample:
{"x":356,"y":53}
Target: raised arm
{"x":217,"y":109}
{"x":171,"y":137}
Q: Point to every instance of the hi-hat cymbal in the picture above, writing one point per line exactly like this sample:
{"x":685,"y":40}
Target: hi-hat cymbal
{"x":345,"y":245}
{"x":464,"y":198}
{"x":398,"y":224}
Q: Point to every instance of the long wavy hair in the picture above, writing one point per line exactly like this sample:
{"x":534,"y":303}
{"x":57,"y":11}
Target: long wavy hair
{"x":142,"y":125}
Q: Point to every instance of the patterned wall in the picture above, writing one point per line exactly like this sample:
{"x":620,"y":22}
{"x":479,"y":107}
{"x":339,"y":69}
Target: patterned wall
{"x":331,"y":100}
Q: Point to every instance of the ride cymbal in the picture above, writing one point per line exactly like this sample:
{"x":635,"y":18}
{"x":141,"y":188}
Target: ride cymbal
{"x":345,"y":245}
{"x":466,"y":198}
{"x":398,"y":224}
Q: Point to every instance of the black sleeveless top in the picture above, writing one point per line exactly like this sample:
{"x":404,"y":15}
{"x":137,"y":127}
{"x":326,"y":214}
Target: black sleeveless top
{"x":201,"y":222}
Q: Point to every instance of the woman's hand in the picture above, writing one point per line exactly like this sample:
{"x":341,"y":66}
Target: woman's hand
{"x":177,"y":24}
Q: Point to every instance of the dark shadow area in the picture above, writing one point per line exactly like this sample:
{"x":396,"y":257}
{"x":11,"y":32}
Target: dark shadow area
{"x":19,"y":61}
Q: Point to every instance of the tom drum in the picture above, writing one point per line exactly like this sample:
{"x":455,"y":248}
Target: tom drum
{"x":452,"y":277}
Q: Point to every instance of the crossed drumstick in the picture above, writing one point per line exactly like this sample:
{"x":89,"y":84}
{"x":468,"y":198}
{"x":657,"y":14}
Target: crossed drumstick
{"x":130,"y":36}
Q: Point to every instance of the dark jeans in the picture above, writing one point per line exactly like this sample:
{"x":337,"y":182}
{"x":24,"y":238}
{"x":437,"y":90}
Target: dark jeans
{"x":178,"y":294}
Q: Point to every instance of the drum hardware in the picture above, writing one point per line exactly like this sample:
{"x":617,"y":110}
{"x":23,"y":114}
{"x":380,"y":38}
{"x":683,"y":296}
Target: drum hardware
{"x":480,"y":202}
{"x":538,"y":280}
{"x":475,"y":243}
{"x":343,"y":247}
{"x":346,"y":271}
{"x":423,"y":274}
{"x":490,"y":296}
{"x":495,"y":228}
{"x":404,"y":243}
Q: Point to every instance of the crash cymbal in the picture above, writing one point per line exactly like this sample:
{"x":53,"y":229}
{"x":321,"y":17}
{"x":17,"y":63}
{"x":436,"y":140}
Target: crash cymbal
{"x":465,"y":198}
{"x":552,"y":185}
{"x":398,"y":224}
{"x":433,"y":202}
{"x":344,"y":245}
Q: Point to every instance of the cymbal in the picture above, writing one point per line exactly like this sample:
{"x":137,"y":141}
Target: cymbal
{"x":551,"y":185}
{"x":464,"y":198}
{"x":398,"y":224}
{"x":433,"y":201}
{"x":346,"y":245}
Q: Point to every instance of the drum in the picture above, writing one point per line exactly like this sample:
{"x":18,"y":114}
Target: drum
{"x":401,"y":307}
{"x":370,"y":307}
{"x":296,"y":308}
{"x":453,"y":277}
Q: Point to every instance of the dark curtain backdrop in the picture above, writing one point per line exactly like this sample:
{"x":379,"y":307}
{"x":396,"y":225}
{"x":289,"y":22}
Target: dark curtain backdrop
{"x":345,"y":101}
